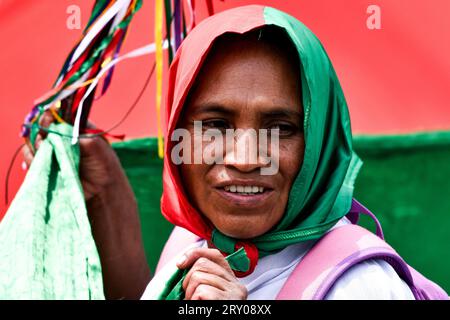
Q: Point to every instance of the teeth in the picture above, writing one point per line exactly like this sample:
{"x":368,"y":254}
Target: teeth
{"x":245,"y":190}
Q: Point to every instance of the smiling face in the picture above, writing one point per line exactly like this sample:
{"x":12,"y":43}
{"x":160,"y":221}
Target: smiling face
{"x":245,"y":83}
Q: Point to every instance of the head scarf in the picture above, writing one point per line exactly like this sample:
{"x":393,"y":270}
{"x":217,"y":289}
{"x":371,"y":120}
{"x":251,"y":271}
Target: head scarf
{"x":322,"y":192}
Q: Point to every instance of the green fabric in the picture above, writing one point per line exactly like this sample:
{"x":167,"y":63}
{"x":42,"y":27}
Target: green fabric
{"x":221,"y":242}
{"x":409,"y":172}
{"x":46,"y":246}
{"x":405,"y":181}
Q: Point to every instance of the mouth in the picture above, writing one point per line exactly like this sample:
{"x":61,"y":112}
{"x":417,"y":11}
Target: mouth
{"x":244,"y":190}
{"x":245,"y":194}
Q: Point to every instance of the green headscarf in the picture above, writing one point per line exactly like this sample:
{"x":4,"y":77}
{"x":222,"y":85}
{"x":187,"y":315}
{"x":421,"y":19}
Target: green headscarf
{"x":322,"y":191}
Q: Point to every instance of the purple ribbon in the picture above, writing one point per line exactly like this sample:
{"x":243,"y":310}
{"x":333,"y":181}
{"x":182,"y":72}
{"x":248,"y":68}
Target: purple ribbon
{"x":177,"y":17}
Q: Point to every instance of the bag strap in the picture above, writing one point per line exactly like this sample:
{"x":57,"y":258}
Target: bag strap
{"x":332,"y":256}
{"x":357,"y":209}
{"x":179,"y":239}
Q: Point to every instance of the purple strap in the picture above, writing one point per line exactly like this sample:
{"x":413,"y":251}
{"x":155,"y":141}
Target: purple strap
{"x":337,"y":252}
{"x":177,"y":17}
{"x":357,"y":209}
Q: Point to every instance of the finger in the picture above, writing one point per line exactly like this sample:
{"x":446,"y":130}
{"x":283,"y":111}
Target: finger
{"x":189,"y":258}
{"x":90,"y":125}
{"x":199,"y":278}
{"x":46,"y":119}
{"x":38,"y":140}
{"x":27,"y":155}
{"x":44,"y":122}
{"x":207,"y":266}
{"x":205,"y":292}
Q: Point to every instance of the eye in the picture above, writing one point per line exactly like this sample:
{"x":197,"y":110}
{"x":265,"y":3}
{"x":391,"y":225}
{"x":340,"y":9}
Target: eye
{"x":285,"y":129}
{"x":219,"y":124}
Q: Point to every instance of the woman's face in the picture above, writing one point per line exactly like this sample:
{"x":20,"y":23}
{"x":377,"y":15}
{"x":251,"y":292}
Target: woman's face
{"x":256,"y":88}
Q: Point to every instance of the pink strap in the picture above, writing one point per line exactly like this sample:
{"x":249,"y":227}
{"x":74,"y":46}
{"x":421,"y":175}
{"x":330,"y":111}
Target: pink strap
{"x":335,"y":253}
{"x":332,"y":255}
{"x":179,"y":239}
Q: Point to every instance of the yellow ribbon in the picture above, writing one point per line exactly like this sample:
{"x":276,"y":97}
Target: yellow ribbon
{"x":159,"y":70}
{"x":54,"y":110}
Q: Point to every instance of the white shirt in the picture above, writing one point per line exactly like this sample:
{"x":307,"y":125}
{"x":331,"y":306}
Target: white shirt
{"x":368,"y":280}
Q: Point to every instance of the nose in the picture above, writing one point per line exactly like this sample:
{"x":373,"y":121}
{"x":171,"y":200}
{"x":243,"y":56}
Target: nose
{"x":242,"y":151}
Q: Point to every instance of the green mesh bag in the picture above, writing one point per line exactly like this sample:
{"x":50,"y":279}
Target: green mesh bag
{"x":46,"y":246}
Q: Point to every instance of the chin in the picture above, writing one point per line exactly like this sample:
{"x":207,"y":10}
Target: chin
{"x":242,"y":230}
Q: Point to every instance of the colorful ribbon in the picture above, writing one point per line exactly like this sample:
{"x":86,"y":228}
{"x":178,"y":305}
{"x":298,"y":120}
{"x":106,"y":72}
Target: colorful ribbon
{"x":159,"y":70}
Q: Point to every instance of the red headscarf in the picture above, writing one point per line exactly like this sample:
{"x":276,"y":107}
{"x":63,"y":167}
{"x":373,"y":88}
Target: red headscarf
{"x":175,"y":205}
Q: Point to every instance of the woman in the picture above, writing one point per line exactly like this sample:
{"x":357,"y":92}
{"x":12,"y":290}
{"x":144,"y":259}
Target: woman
{"x":258,"y":68}
{"x":248,"y":68}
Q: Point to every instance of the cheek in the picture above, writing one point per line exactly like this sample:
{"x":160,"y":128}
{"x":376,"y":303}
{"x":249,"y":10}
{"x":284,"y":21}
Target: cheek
{"x":196,"y":182}
{"x":192,"y":176}
{"x":291,"y":160}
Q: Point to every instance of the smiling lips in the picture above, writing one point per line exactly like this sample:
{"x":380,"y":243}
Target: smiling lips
{"x":244,"y":190}
{"x":249,"y":196}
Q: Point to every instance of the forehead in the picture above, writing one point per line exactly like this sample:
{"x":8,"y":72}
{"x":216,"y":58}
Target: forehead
{"x":245,"y":73}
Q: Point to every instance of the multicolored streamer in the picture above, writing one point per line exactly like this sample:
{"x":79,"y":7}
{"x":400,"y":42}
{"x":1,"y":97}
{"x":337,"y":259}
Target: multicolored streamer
{"x":100,"y":43}
{"x":97,"y":52}
{"x":159,"y":70}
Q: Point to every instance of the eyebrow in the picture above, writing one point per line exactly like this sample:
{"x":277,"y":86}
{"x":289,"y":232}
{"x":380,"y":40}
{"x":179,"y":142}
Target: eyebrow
{"x":283,"y":113}
{"x":212,"y":108}
{"x":277,"y":112}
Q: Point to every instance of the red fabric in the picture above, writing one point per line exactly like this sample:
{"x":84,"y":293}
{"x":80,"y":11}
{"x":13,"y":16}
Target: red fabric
{"x":174,"y":204}
{"x":395,"y":79}
{"x":210,"y":7}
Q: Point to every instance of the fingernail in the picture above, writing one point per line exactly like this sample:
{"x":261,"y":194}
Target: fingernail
{"x":24,"y":166}
{"x":181,"y":260}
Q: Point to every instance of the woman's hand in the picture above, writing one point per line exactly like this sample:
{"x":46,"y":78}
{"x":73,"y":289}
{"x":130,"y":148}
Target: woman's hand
{"x":210,"y":276}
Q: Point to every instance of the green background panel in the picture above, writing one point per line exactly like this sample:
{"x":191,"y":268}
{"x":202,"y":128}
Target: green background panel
{"x":405,"y":181}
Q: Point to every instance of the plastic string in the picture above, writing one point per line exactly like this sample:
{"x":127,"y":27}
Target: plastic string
{"x":159,"y":70}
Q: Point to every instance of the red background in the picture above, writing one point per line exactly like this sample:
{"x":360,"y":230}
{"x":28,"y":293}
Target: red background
{"x":396,"y":80}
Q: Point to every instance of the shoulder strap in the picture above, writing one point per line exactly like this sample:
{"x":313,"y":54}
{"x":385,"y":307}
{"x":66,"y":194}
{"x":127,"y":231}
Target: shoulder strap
{"x":335,"y":253}
{"x":357,"y":209}
{"x":178,"y":240}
